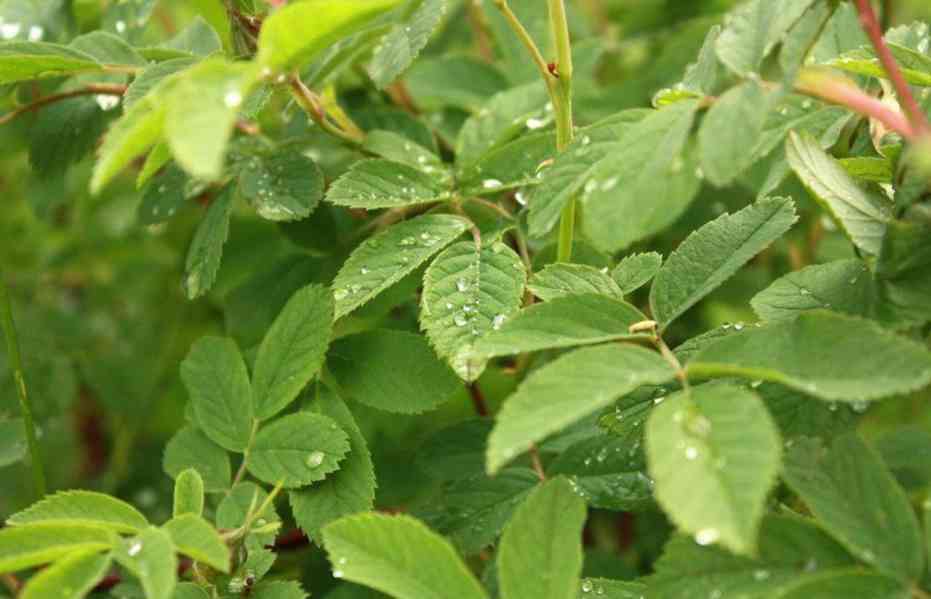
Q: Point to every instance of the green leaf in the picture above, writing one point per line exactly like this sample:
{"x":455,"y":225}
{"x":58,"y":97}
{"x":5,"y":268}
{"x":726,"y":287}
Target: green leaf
{"x":610,"y":589}
{"x":282,"y":186}
{"x":198,"y":38}
{"x":560,"y":280}
{"x":718,"y":446}
{"x":297,"y":449}
{"x":543,"y":536}
{"x":791,"y":549}
{"x":22,"y":547}
{"x":196,"y":538}
{"x":847,"y":583}
{"x":467,"y":293}
{"x":64,"y":133}
{"x":915,"y":66}
{"x":856,"y":499}
{"x":455,"y":452}
{"x":244,"y":500}
{"x":201,"y":112}
{"x":400,"y":148}
{"x":862,"y":215}
{"x":296,"y":34}
{"x":457,"y":81}
{"x":218,"y":384}
{"x":401,"y":46}
{"x":165,"y":195}
{"x":82,"y":507}
{"x":12,"y":441}
{"x":562,"y":322}
{"x":71,"y":577}
{"x":190,"y":448}
{"x":636,"y":270}
{"x":293,"y":350}
{"x":864,"y":168}
{"x":376,"y":265}
{"x":714,"y":252}
{"x":377,"y":183}
{"x":349,"y":490}
{"x":753,"y":29}
{"x":147,"y":80}
{"x":206,"y":250}
{"x":150,"y":557}
{"x":402,"y":373}
{"x":509,"y":166}
{"x":279,"y":589}
{"x":107,"y":48}
{"x":474,"y":510}
{"x":189,"y":590}
{"x":565,"y":391}
{"x":22,"y":61}
{"x":821,"y":354}
{"x":733,"y":124}
{"x":650,"y":161}
{"x":189,"y":493}
{"x":398,"y":555}
{"x":843,"y":286}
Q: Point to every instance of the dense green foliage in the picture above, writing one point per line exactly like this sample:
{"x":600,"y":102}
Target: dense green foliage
{"x":435,"y":299}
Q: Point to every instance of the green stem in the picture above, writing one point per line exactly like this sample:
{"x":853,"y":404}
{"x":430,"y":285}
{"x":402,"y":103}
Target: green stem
{"x":562,"y":104}
{"x":16,"y":365}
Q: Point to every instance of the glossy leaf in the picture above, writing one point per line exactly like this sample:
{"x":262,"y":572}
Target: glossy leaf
{"x":71,"y":577}
{"x":82,"y":507}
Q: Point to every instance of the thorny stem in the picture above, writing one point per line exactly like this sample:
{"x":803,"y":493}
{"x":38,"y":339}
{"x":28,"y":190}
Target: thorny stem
{"x":15,"y":360}
{"x":98,"y":89}
{"x":313,"y":106}
{"x":874,"y":31}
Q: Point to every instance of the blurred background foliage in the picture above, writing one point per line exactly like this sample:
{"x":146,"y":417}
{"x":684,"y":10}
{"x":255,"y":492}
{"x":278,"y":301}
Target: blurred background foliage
{"x":97,"y":296}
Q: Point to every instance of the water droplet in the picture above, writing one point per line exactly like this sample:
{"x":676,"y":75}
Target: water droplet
{"x":232,"y":99}
{"x":491,"y":184}
{"x":587,"y":585}
{"x":462,"y":285}
{"x":340,"y":294}
{"x":533,"y":123}
{"x":807,"y":104}
{"x":707,"y":536}
{"x":364,"y":271}
{"x":691,"y":453}
{"x":35,"y":33}
{"x":460,"y":320}
{"x":9,"y":30}
{"x":134,"y":548}
{"x":408,"y":241}
{"x":811,"y":565}
{"x":698,"y":425}
{"x":521,"y":198}
{"x":609,"y":184}
{"x":803,"y":291}
{"x":739,"y":326}
{"x":315,"y":459}
{"x":860,"y":407}
{"x":120,"y":26}
{"x":760,"y":574}
{"x":106,"y":101}
{"x":337,"y":573}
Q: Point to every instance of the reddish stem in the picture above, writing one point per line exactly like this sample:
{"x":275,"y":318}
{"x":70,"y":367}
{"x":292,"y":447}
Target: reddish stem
{"x":874,"y":31}
{"x":478,"y":400}
{"x":99,"y":89}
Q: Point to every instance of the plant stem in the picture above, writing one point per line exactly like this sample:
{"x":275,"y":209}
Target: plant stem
{"x":906,"y":98}
{"x":98,"y":89}
{"x":313,"y":106}
{"x":15,"y":361}
{"x":245,"y":457}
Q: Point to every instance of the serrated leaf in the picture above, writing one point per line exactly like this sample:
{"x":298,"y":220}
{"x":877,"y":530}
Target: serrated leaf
{"x":791,"y":549}
{"x":734,"y":123}
{"x":398,"y":555}
{"x":842,"y":286}
{"x":107,"y":48}
{"x":455,"y":452}
{"x":165,"y":195}
{"x":544,"y":535}
{"x":243,"y":502}
{"x":401,"y":46}
{"x":610,"y":589}
{"x":64,"y":133}
{"x":71,"y":577}
{"x":865,"y":168}
{"x":196,"y":538}
{"x":82,"y":507}
{"x":279,"y":589}
{"x":562,"y":322}
{"x":821,"y":354}
{"x":753,"y":29}
{"x":915,"y":66}
{"x":190,"y":448}
{"x":607,"y":471}
{"x":148,"y":79}
{"x":856,"y":499}
{"x":297,"y":449}
{"x":198,"y":38}
{"x":650,"y":161}
{"x":218,"y":383}
{"x":150,"y":557}
{"x":862,"y":215}
{"x":798,"y":416}
{"x":473,"y":510}
{"x":283,"y":186}
{"x":347,"y":491}
{"x":189,"y":493}
{"x":509,"y":166}
{"x":297,"y":33}
{"x":189,"y":590}
{"x":402,"y":375}
{"x":201,"y":111}
{"x":454,"y":81}
{"x":376,"y":265}
{"x":467,"y":293}
{"x":565,"y":391}
{"x":560,"y":280}
{"x":206,"y":250}
{"x":636,"y":270}
{"x":714,"y":252}
{"x":847,"y":583}
{"x":22,"y":61}
{"x":378,"y":183}
{"x":293,"y":350}
{"x":399,"y":148}
{"x":718,"y":446}
{"x":40,"y":543}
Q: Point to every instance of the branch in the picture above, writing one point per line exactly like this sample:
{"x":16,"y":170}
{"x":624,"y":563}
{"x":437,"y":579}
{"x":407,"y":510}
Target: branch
{"x":840,"y":91}
{"x":874,"y":31}
{"x":96,"y":89}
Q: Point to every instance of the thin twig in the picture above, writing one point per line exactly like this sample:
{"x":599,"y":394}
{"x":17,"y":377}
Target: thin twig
{"x":527,"y":39}
{"x":313,"y":106}
{"x":478,"y":399}
{"x":536,"y":463}
{"x":15,"y":363}
{"x":874,"y":31}
{"x":97,"y":89}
